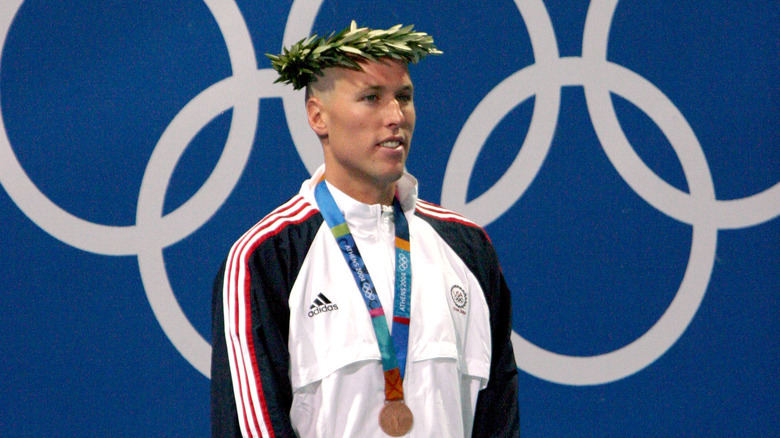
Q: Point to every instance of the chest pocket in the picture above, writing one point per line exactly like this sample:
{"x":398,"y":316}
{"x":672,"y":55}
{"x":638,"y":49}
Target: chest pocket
{"x":329,"y":324}
{"x":452,"y":316}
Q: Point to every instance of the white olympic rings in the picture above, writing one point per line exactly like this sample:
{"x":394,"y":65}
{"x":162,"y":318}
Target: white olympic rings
{"x":154,"y":231}
{"x":403,"y":262}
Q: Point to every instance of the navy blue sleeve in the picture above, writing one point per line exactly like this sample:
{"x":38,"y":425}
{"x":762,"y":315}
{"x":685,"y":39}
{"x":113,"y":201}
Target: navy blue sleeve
{"x":498,"y":413}
{"x":224,"y":418}
{"x":272,"y":268}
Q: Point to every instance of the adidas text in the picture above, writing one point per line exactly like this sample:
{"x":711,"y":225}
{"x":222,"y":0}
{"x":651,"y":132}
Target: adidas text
{"x":322,"y":309}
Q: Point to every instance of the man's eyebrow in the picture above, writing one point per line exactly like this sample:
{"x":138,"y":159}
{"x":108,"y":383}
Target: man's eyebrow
{"x":406,"y":88}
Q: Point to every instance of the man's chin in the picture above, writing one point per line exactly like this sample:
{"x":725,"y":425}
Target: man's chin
{"x":395,"y":175}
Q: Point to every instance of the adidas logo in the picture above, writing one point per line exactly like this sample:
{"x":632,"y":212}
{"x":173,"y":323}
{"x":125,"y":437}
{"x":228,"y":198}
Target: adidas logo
{"x":321,"y":304}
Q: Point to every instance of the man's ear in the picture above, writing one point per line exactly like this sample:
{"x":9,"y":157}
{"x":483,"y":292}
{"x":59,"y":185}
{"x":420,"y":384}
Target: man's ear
{"x":316,"y":115}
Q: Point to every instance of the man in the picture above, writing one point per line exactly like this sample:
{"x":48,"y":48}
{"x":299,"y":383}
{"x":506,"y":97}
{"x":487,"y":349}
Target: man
{"x":355,"y":309}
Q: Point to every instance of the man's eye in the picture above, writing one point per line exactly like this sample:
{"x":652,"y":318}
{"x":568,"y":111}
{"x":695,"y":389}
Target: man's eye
{"x":404,"y":98}
{"x":371,"y":97}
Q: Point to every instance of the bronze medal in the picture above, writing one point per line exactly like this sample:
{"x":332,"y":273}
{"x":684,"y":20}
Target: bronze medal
{"x":395,"y":418}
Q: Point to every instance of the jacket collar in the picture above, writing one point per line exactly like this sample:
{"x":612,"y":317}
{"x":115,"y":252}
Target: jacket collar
{"x":406,"y":189}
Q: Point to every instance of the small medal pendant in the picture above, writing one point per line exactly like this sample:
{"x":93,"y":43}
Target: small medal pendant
{"x":395,"y":418}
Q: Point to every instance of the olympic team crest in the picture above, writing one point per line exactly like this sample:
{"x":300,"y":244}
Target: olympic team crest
{"x":459,"y":297}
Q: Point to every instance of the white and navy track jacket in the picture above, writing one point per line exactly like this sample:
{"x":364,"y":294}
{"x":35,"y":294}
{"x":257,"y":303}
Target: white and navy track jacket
{"x":294,"y":351}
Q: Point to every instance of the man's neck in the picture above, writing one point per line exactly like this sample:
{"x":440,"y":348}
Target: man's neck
{"x":365,"y":193}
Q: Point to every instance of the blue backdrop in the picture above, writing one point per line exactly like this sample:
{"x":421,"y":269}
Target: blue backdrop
{"x":623,"y":156}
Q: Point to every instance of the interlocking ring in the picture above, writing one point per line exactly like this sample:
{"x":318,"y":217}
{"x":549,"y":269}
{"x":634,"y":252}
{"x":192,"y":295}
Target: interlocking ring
{"x":599,"y":77}
{"x":153,"y":232}
{"x":403,"y":262}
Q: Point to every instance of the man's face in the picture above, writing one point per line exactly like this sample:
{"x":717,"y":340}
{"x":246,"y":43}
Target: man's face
{"x":365,"y":120}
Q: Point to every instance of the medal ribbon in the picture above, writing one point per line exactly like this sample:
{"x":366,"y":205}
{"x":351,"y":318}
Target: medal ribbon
{"x":393,"y":352}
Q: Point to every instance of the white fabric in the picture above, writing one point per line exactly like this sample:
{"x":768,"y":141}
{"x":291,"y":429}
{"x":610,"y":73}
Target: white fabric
{"x":336,"y":371}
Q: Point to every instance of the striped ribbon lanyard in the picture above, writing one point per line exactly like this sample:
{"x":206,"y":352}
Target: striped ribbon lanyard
{"x":393,"y":352}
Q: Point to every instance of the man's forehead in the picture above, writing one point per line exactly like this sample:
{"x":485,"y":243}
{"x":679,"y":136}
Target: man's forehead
{"x":380,"y":73}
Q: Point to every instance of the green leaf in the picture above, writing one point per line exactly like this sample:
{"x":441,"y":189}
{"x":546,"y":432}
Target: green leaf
{"x":399,"y":47}
{"x":321,"y":49}
{"x":405,"y":30}
{"x":376,"y":33}
{"x":352,"y":50}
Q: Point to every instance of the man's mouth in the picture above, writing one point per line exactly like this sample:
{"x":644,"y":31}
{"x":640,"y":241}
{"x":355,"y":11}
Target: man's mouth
{"x":391,"y":144}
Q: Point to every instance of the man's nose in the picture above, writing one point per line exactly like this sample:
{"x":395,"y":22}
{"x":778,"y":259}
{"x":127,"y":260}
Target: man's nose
{"x":394,"y":113}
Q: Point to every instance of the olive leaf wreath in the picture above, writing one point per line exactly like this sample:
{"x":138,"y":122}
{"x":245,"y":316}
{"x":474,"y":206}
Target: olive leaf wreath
{"x":307,"y":58}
